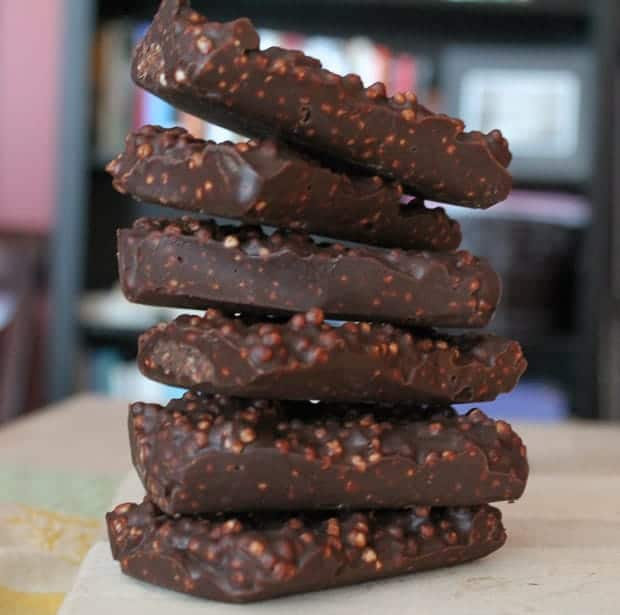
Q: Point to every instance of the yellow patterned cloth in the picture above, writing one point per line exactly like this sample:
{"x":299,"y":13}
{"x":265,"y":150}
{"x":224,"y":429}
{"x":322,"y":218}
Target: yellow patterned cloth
{"x":48,"y":521}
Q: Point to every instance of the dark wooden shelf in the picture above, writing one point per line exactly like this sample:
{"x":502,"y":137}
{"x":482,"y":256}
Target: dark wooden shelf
{"x":570,"y":8}
{"x":416,"y":24}
{"x":101,"y":337}
{"x":561,"y":8}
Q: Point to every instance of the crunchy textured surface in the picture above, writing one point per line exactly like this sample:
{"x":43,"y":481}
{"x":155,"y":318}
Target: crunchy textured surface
{"x":204,"y":454}
{"x":306,"y":358}
{"x":263,"y":182}
{"x":197,"y":264}
{"x":217,"y":72}
{"x":256,"y":557}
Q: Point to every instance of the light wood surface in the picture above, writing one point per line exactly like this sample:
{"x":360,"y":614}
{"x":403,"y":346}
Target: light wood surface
{"x":562,"y":556}
{"x":86,"y":433}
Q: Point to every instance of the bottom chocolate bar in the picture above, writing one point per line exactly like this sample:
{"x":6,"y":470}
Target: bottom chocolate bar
{"x":253,"y":557}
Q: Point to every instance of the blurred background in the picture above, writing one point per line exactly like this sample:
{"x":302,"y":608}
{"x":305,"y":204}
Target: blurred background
{"x":544,"y":71}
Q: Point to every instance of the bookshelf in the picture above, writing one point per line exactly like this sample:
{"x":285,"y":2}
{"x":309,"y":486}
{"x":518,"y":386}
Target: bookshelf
{"x":582,"y":351}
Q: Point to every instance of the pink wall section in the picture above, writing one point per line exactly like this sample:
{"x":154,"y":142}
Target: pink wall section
{"x":30,"y":37}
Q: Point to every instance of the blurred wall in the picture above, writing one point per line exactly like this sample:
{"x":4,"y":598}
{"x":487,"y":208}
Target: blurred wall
{"x":30,"y":36}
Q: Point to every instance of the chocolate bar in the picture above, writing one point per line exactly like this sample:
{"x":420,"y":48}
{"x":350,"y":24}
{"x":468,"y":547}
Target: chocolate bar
{"x":263,"y":182}
{"x":307,"y":358}
{"x":246,"y":558}
{"x":217,"y":71}
{"x":204,"y":454}
{"x":197,"y":264}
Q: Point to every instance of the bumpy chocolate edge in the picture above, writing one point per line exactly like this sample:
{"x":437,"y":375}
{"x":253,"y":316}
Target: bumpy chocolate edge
{"x":257,"y":557}
{"x":206,"y":454}
{"x":198,"y":264}
{"x":263,"y":182}
{"x":306,"y":358}
{"x":218,"y":72}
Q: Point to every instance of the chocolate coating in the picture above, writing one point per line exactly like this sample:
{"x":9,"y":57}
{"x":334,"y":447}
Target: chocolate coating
{"x":197,"y":264}
{"x":217,"y":71}
{"x":260,"y":556}
{"x":263,"y":182}
{"x":205,"y":454}
{"x":306,"y":358}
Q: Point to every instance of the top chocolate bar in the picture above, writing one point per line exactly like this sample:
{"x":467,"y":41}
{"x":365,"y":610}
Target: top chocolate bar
{"x":217,"y":71}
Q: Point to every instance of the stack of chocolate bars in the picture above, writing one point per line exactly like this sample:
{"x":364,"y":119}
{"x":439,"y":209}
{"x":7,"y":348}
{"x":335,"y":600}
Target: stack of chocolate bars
{"x":253,"y":490}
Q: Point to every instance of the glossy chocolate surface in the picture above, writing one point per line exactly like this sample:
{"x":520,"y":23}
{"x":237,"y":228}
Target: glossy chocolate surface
{"x":197,"y":264}
{"x":306,"y":358}
{"x":206,"y":454}
{"x":263,"y":182}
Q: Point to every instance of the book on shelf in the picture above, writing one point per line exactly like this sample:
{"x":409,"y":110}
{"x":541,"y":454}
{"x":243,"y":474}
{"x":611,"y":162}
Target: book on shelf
{"x":121,"y":106}
{"x":113,"y":88}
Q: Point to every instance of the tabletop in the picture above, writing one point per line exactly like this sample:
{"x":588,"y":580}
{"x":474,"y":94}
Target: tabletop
{"x":60,"y":468}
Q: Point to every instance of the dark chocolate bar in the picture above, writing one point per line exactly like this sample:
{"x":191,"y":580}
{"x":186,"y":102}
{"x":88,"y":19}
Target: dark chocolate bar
{"x":217,"y":71}
{"x":246,"y":558}
{"x":266,"y":183}
{"x":306,"y":358}
{"x":205,"y":454}
{"x":197,"y":264}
